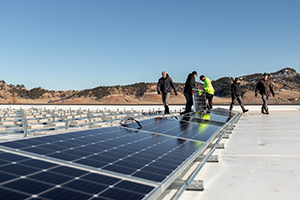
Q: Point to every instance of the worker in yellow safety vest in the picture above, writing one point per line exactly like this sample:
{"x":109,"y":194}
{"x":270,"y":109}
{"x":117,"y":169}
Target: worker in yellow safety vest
{"x":209,"y":91}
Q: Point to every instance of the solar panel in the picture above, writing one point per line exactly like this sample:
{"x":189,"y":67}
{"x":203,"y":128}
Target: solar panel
{"x":22,"y":177}
{"x":178,"y":128}
{"x":134,"y":153}
{"x":114,"y":162}
{"x":213,"y":116}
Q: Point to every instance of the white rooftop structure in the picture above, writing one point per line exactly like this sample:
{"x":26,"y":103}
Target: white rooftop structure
{"x":261,"y":160}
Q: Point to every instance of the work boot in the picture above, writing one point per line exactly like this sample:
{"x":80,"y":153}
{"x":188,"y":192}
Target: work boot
{"x":263,"y":111}
{"x":246,"y":110}
{"x":267,"y":112}
{"x":167,"y":111}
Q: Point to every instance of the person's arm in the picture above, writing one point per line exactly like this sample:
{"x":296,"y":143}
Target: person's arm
{"x":207,"y":84}
{"x":233,"y":90}
{"x":272,"y":88}
{"x":173,"y":86}
{"x":189,"y":83}
{"x":256,"y":88}
{"x":158,"y":87}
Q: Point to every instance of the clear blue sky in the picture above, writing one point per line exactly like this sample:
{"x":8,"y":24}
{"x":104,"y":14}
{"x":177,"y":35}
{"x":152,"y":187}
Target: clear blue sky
{"x":74,"y":45}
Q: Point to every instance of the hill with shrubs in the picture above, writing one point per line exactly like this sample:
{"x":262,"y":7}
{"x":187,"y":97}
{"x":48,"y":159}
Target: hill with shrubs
{"x":286,"y":84}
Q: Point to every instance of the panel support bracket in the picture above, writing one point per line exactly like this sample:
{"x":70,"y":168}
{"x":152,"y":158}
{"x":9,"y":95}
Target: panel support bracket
{"x":196,"y":185}
{"x":220,"y":146}
{"x":212,"y":158}
{"x":225,"y":136}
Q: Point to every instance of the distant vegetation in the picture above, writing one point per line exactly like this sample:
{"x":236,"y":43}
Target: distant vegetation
{"x":222,"y":86}
{"x":34,"y":93}
{"x":287,"y":79}
{"x":137,"y":89}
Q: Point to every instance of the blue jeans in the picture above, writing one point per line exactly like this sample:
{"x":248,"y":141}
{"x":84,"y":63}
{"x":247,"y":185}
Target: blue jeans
{"x":189,"y":102}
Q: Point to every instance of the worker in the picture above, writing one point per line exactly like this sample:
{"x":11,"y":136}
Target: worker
{"x":209,"y":91}
{"x":164,"y":87}
{"x":188,"y":91}
{"x":265,"y":87}
{"x":236,"y":95}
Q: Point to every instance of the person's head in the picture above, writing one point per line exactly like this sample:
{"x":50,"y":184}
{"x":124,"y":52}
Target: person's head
{"x":202,"y":77}
{"x":164,"y":74}
{"x":194,"y":73}
{"x":265,"y":76}
{"x":237,"y":80}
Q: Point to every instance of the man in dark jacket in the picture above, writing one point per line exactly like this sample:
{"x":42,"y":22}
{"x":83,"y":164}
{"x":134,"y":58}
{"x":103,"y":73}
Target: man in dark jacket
{"x":236,"y":95}
{"x":188,"y":91}
{"x":265,"y":86}
{"x":164,"y":86}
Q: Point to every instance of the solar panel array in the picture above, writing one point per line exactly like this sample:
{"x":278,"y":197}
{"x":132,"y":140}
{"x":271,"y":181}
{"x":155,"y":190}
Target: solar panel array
{"x":24,"y":178}
{"x":105,"y":163}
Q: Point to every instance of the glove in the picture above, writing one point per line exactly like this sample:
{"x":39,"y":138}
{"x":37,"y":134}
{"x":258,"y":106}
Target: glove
{"x":158,"y":92}
{"x":176,"y":93}
{"x":255,"y":94}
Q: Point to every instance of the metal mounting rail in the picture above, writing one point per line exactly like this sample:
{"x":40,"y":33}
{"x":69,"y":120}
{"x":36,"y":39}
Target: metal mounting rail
{"x":190,"y":179}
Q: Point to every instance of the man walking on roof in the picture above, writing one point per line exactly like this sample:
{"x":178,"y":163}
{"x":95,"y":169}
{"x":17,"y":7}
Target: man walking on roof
{"x":265,"y":86}
{"x":236,"y":95}
{"x":188,"y":91}
{"x":209,"y":91}
{"x":164,"y":86}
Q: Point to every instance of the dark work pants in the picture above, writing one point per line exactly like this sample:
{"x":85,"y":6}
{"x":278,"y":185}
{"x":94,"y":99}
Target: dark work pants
{"x":238,"y":99}
{"x":265,"y":99}
{"x":209,"y":98}
{"x":165,"y":99}
{"x":189,"y":102}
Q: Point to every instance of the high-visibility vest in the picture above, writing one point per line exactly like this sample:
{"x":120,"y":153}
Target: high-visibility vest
{"x":208,"y":86}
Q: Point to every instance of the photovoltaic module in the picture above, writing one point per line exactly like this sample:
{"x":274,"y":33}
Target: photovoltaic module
{"x":126,"y":162}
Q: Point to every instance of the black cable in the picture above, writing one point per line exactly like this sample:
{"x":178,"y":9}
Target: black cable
{"x":129,"y":120}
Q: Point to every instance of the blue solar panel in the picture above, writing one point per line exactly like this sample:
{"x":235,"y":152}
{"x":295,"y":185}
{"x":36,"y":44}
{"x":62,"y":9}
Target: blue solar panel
{"x":134,"y":153}
{"x":133,"y":161}
{"x":22,"y":177}
{"x":178,"y":128}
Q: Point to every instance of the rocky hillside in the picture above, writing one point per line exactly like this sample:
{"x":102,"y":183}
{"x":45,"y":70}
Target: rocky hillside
{"x":286,"y":83}
{"x":287,"y":86}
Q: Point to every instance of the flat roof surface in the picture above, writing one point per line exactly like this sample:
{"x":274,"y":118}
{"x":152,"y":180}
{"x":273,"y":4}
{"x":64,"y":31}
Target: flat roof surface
{"x":261,"y":160}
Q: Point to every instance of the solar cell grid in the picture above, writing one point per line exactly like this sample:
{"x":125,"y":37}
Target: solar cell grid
{"x":176,"y":128}
{"x":22,"y":177}
{"x":139,"y":147}
{"x":150,"y":176}
{"x":152,"y":153}
{"x":188,"y":118}
{"x":215,"y":116}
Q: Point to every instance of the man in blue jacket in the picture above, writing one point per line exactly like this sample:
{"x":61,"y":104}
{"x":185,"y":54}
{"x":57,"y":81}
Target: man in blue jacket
{"x":164,"y":87}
